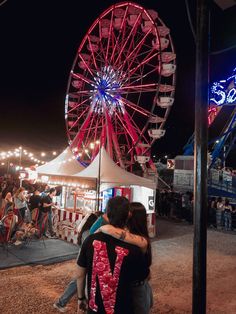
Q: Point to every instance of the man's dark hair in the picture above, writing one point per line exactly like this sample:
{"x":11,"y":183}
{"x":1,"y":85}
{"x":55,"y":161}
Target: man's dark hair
{"x":117,"y":210}
{"x":52,"y":190}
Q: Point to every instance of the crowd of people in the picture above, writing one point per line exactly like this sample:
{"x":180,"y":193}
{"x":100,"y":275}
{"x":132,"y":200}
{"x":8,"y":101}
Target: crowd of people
{"x":26,"y":213}
{"x":175,"y":205}
{"x":220,"y":213}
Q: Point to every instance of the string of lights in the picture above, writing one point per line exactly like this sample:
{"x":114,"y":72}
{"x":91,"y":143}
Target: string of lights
{"x":7,"y":156}
{"x":23,"y":153}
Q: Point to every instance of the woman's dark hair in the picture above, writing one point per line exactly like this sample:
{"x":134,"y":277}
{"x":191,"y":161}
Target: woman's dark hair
{"x":137,"y":224}
{"x":226,"y":202}
{"x":88,"y":224}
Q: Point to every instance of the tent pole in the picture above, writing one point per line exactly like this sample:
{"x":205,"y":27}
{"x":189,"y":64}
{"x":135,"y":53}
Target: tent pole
{"x":96,"y":207}
{"x":99,"y":179}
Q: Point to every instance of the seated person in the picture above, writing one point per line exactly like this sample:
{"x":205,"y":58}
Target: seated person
{"x":8,"y":223}
{"x":24,"y":231}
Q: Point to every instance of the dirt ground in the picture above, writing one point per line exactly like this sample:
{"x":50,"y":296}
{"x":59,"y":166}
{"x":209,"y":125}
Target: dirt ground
{"x":30,"y":289}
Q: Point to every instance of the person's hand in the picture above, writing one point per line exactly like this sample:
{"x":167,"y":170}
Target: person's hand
{"x":54,"y":207}
{"x":82,"y":306}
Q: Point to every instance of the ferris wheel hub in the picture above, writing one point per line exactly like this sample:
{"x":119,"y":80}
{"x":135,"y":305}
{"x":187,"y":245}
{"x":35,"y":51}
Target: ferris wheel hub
{"x":107,"y":83}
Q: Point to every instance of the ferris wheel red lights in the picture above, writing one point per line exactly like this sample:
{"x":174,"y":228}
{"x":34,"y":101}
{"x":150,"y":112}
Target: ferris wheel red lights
{"x":121,"y":85}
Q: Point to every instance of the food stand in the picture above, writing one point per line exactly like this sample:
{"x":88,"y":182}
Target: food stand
{"x":71,"y":200}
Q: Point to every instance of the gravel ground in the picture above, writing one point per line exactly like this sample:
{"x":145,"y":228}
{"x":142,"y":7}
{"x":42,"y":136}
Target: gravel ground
{"x":30,"y":289}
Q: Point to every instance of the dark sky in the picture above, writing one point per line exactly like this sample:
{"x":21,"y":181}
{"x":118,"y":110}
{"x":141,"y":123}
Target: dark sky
{"x":39,"y":40}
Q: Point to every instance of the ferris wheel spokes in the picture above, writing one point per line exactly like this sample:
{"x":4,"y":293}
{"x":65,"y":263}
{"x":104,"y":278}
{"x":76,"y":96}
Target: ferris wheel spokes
{"x":132,"y":71}
{"x":138,"y":88}
{"x":121,"y":50}
{"x":93,"y":57}
{"x":134,"y":53}
{"x":76,"y":105}
{"x":78,"y":139}
{"x":75,"y":122}
{"x":135,"y":108}
{"x":82,"y":77}
{"x":120,"y":34}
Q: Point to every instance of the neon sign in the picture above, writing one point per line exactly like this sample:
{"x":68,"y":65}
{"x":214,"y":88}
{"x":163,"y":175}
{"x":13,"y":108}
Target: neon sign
{"x":224,"y":92}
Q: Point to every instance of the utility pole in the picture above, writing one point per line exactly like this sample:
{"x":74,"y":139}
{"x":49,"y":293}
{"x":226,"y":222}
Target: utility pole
{"x":200,"y":159}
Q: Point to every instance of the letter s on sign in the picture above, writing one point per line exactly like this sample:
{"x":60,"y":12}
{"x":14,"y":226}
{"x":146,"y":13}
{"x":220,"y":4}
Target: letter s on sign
{"x":218,"y":90}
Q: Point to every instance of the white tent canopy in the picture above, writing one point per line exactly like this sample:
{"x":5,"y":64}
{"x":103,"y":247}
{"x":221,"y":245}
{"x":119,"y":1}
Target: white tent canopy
{"x":63,"y":165}
{"x":112,"y":175}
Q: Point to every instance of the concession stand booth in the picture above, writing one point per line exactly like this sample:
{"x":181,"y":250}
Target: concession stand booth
{"x":85,"y":190}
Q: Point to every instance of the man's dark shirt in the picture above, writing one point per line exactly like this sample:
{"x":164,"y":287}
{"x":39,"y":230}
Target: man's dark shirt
{"x":101,"y":253}
{"x":35,"y":201}
{"x":46,"y":200}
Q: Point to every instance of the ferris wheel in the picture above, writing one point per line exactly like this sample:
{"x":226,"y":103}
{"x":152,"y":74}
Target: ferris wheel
{"x":121,"y":86}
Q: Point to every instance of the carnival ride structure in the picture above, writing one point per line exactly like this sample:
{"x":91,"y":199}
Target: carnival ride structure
{"x":221,"y":107}
{"x":121,"y":86}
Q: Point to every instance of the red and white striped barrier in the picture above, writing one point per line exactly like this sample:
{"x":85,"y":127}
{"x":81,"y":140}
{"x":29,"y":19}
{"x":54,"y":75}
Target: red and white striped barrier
{"x":66,"y":225}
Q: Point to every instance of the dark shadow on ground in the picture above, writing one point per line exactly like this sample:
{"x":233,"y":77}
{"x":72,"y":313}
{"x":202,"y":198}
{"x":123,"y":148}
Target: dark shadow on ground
{"x":36,"y":253}
{"x":168,"y":229}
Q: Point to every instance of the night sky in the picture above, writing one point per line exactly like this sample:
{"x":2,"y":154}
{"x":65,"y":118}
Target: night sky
{"x":39,"y":40}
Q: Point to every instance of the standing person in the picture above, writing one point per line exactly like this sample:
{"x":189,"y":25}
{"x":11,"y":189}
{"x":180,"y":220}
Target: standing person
{"x":228,"y":215}
{"x":1,"y":199}
{"x":45,"y":191}
{"x":137,"y":234}
{"x":35,"y":203}
{"x":8,"y":199}
{"x":71,"y":288}
{"x":212,"y":212}
{"x":233,"y":216}
{"x":219,"y":213}
{"x":101,"y":221}
{"x":20,"y":202}
{"x":46,"y":209}
{"x":111,"y":266}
